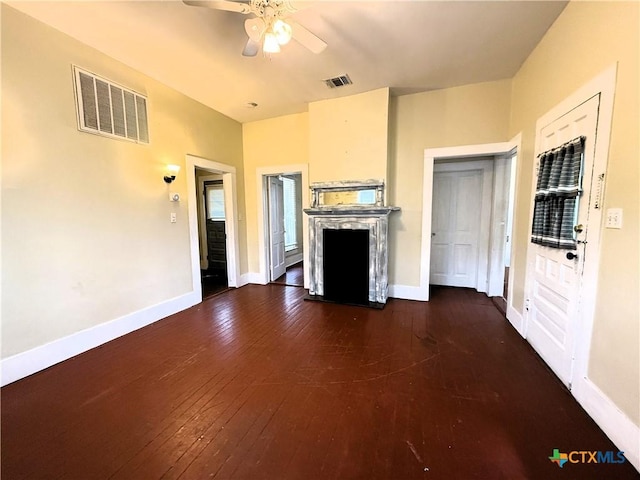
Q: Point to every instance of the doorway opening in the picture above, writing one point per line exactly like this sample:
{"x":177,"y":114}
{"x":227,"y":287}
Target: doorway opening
{"x":284,"y":207}
{"x":222,"y":204}
{"x":497,"y":165}
{"x":502,"y":302}
{"x":283,"y":229}
{"x":470,"y":224}
{"x":212,"y":230}
{"x":462,"y":191}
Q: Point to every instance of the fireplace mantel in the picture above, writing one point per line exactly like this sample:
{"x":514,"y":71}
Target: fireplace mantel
{"x":350,"y":210}
{"x":373,"y":217}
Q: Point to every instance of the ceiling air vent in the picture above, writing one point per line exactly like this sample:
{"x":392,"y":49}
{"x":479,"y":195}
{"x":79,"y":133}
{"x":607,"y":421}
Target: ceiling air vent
{"x":339,"y":81}
{"x":109,"y":109}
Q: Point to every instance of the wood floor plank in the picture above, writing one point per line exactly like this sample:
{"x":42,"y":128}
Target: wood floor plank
{"x":256,"y":383}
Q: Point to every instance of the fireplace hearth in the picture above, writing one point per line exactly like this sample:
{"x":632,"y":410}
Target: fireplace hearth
{"x":348,"y":243}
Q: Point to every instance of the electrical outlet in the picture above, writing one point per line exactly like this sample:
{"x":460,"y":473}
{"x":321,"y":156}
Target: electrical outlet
{"x":614,"y":218}
{"x":174,"y":217}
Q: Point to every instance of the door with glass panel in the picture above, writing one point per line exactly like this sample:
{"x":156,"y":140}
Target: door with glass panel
{"x":560,"y":232}
{"x":216,"y":229}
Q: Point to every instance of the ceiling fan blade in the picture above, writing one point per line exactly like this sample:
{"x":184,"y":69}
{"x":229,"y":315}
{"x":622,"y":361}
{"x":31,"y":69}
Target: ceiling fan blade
{"x":288,"y":6}
{"x":226,"y":5}
{"x":251,"y":49}
{"x":305,"y":37}
{"x":255,"y":28}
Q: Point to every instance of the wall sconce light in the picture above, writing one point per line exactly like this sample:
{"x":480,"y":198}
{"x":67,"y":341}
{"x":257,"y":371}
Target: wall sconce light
{"x":171,"y":172}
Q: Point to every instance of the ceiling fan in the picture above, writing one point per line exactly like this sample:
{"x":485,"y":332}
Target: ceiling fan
{"x":269,"y":28}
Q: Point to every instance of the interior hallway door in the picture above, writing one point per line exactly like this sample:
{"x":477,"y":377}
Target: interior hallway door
{"x":455,"y":227}
{"x":277,"y":265}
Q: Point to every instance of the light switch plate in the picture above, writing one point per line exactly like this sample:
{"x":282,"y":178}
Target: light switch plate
{"x":174,"y":217}
{"x":614,"y":218}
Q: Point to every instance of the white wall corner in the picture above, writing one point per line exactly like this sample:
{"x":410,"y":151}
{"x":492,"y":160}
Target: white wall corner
{"x":32,"y":361}
{"x":407,"y":292}
{"x":256,"y":278}
{"x":243,"y":280}
{"x":614,"y":423}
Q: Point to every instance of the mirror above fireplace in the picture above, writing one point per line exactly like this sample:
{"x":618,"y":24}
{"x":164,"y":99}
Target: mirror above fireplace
{"x":347,"y":193}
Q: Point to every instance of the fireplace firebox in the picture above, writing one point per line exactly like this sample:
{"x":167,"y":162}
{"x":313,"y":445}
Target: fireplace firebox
{"x":348,"y":226}
{"x":346,"y":265}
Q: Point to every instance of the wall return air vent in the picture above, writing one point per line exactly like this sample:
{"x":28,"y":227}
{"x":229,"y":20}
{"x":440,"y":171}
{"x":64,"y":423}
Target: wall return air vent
{"x":106,"y":108}
{"x":339,"y":81}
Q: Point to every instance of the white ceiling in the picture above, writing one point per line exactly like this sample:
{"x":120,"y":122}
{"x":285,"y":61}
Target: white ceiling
{"x":409,"y":46}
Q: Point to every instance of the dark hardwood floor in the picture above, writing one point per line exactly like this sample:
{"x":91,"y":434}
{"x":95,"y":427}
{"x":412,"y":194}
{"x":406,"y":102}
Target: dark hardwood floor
{"x":256,"y":383}
{"x":213,"y":284}
{"x":294,"y":276}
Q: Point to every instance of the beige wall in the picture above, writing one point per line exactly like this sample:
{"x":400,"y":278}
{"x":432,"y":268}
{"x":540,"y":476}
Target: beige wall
{"x":456,"y":116}
{"x":587,"y":38}
{"x":268,"y":143}
{"x":344,"y":138}
{"x":472,"y":114}
{"x":348,"y":137}
{"x":86,"y":218}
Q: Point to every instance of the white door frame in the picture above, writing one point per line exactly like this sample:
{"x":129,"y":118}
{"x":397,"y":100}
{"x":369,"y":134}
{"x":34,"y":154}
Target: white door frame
{"x":231,"y":213}
{"x":263,"y":232}
{"x":430,"y":155}
{"x":501,"y":223}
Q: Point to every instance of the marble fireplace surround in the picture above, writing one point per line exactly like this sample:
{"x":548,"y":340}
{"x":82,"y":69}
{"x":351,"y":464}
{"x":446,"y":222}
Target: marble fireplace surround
{"x":372,"y":217}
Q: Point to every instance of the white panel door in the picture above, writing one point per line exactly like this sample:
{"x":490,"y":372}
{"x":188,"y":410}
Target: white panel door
{"x":276,"y":228}
{"x":553,"y":275}
{"x":455,"y":227}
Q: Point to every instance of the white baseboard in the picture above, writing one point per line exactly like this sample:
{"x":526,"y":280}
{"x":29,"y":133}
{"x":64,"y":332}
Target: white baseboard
{"x":614,"y":423}
{"x":516,"y":319}
{"x":27,"y":363}
{"x":293,"y":259}
{"x":255,"y":278}
{"x":407,"y":292}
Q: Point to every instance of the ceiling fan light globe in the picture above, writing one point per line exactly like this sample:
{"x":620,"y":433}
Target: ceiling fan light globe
{"x":270,"y":44}
{"x":282,"y":31}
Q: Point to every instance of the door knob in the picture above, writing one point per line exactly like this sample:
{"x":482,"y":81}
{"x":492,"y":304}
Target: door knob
{"x":571,"y":256}
{"x":578,"y":228}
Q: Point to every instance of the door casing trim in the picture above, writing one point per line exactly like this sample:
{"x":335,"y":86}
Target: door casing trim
{"x":229,"y":184}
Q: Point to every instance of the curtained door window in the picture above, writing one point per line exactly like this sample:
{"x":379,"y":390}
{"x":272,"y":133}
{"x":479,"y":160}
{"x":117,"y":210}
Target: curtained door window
{"x":556,"y":199}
